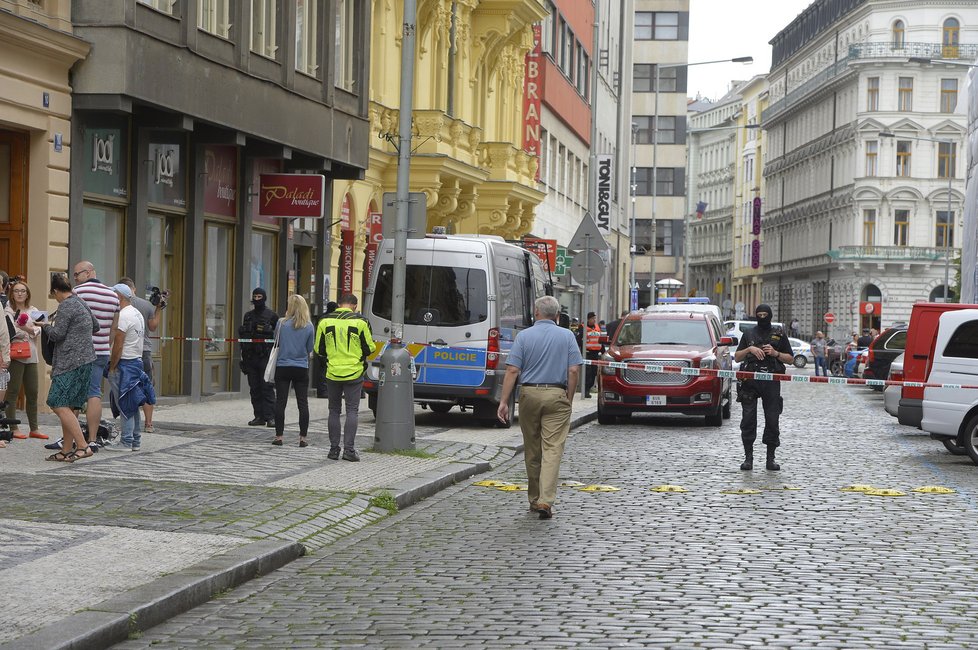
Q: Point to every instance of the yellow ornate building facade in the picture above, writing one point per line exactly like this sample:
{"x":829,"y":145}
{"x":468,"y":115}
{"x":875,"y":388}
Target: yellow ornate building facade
{"x":468,"y":127}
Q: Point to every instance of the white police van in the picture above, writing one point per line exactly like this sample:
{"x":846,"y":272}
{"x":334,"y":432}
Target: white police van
{"x":466,"y":298}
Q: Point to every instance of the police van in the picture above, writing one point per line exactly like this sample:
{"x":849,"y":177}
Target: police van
{"x":466,"y":298}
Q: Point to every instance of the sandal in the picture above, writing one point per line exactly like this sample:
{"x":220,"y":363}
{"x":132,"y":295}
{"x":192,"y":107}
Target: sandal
{"x":62,"y":457}
{"x":79,"y":454}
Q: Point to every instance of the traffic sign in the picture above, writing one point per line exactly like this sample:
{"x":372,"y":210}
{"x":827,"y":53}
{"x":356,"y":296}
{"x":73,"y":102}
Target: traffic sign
{"x":587,"y":237}
{"x":588,"y":267}
{"x":562,"y":261}
{"x":829,"y":318}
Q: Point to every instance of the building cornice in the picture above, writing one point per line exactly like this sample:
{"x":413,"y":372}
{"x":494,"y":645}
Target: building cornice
{"x":38,"y":39}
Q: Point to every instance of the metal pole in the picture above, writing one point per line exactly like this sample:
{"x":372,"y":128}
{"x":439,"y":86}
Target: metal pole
{"x":655,"y":142}
{"x":592,"y":195}
{"x":950,"y":222}
{"x":395,"y":395}
{"x":631,"y":227}
{"x":690,"y":184}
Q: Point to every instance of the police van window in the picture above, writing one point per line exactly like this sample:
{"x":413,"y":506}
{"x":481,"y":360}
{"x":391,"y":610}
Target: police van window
{"x":449,"y":296}
{"x":964,"y":341}
{"x":512,"y":302}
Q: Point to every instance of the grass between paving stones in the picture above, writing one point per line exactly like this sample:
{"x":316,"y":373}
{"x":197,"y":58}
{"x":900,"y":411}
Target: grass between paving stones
{"x":384,"y":500}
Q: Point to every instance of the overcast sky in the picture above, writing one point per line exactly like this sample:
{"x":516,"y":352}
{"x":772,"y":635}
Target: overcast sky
{"x":725,"y":29}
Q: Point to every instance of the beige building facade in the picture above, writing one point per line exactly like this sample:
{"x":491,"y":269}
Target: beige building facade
{"x":468,"y":154}
{"x":37,"y":51}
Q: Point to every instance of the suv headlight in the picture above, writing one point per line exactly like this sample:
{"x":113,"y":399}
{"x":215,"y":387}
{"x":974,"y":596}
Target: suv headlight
{"x":607,"y":370}
{"x":709,"y":362}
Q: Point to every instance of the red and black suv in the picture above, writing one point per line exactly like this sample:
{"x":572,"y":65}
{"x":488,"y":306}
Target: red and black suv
{"x":687,"y":340}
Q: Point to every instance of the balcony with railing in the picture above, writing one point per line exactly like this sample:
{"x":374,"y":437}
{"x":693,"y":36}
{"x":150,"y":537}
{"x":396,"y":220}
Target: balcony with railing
{"x":899,"y":254}
{"x":796,"y":95}
{"x":916,"y":50}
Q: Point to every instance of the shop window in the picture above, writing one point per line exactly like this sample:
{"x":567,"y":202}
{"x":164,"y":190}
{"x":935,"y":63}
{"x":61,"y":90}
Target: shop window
{"x":346,"y":32}
{"x":213,"y":16}
{"x":901,"y":227}
{"x":307,"y":36}
{"x":101,"y":240}
{"x":217,"y":286}
{"x":262,"y":264}
{"x":263,"y":24}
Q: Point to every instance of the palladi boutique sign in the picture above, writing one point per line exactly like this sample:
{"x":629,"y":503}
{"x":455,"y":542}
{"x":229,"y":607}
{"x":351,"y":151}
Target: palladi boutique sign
{"x":292,"y":195}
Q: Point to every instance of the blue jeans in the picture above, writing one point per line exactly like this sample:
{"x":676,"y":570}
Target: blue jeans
{"x":820,"y":363}
{"x":131,"y":437}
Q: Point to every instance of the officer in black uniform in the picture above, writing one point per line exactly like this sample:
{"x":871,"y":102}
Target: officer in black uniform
{"x":762,"y":348}
{"x":259,"y":323}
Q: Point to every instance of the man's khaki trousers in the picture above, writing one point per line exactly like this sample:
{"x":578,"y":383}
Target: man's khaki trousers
{"x":545,"y":415}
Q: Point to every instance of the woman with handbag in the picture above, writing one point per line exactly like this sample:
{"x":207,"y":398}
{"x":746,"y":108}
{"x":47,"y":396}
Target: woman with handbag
{"x":71,"y":332}
{"x":24,"y":357}
{"x":290,"y":356}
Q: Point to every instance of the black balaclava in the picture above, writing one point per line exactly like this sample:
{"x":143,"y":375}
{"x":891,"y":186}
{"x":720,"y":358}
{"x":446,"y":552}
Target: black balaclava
{"x":259,"y":304}
{"x":763,"y":323}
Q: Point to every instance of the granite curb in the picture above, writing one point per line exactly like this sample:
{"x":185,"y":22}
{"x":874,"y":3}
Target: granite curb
{"x":114,"y":620}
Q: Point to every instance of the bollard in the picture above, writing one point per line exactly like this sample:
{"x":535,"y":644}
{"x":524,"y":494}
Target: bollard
{"x":395,"y":400}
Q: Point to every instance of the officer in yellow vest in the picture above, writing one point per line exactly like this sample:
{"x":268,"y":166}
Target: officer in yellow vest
{"x":343,"y":340}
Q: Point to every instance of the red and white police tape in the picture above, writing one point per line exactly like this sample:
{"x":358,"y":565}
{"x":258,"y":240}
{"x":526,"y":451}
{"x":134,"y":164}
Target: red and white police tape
{"x":683,"y":370}
{"x":765,"y":376}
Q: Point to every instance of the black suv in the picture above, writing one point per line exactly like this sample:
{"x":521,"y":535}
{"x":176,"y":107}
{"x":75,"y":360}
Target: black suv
{"x":883,"y":350}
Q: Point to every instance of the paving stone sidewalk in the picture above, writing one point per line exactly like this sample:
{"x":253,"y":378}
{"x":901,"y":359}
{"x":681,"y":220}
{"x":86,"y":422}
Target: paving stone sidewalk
{"x":207,"y":503}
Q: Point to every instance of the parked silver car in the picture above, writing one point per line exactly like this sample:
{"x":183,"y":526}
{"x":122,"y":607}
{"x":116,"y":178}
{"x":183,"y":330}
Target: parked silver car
{"x":891,"y":394}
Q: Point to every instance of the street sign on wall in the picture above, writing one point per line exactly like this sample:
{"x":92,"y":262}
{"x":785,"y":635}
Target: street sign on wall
{"x":755,"y":254}
{"x":756,"y":221}
{"x":562,"y":260}
{"x":545,"y":249}
{"x":292,"y":195}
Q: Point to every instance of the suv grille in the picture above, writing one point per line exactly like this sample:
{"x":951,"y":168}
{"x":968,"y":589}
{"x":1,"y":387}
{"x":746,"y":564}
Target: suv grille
{"x":642,"y":378}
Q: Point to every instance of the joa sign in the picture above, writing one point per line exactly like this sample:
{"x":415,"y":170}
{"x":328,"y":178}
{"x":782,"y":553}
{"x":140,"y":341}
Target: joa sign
{"x":292,"y":195}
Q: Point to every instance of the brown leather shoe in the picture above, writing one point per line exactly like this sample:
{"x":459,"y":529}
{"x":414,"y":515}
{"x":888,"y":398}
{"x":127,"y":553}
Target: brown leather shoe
{"x":545,"y":511}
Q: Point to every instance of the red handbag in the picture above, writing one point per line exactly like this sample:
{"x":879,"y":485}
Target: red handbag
{"x":20,"y":350}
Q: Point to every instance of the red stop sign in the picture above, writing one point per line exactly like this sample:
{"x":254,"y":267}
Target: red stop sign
{"x":829,"y":318}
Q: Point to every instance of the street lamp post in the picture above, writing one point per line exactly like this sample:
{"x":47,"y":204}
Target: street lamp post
{"x":949,"y":225}
{"x":632,"y":287}
{"x":655,"y":140}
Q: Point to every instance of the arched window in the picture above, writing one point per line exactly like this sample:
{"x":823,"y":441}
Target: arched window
{"x":898,"y":30}
{"x":952,"y":32}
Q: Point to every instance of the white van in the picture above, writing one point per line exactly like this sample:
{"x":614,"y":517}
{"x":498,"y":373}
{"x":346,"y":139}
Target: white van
{"x":952,"y":413}
{"x":466,"y":298}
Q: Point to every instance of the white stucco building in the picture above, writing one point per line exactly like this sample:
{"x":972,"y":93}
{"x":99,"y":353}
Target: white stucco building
{"x":865,"y":132}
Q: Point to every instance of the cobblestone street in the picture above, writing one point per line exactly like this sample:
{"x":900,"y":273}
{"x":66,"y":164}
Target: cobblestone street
{"x":807,"y":567}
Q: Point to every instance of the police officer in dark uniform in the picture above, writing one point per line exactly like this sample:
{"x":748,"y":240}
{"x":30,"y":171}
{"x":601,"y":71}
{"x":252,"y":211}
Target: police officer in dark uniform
{"x":762,"y":348}
{"x":259,"y":323}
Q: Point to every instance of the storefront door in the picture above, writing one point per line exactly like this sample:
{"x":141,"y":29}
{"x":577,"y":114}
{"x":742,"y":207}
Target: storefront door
{"x":13,"y":203}
{"x":164,"y":246}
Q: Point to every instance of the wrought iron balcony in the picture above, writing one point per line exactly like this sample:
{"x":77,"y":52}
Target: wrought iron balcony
{"x":888,"y":254}
{"x":907,"y":50}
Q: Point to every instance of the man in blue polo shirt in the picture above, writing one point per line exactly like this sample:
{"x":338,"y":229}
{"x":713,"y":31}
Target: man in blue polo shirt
{"x":547,"y":361}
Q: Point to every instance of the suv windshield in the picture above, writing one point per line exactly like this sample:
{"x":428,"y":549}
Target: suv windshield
{"x":449,"y":296}
{"x":664,"y":332}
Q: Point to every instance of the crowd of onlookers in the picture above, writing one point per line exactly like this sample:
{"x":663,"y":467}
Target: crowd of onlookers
{"x":97,"y":337}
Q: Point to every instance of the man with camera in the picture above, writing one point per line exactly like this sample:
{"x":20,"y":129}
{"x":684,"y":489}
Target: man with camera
{"x":150,"y":310}
{"x":762,"y":349}
{"x":259,"y":323}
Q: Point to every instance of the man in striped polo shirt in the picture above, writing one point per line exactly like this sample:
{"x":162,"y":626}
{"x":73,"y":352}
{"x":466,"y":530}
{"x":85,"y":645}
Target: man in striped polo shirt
{"x":104,"y":303}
